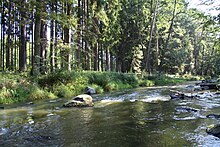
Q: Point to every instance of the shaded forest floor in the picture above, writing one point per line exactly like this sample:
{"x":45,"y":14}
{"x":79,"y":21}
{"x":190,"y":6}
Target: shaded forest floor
{"x":17,"y":88}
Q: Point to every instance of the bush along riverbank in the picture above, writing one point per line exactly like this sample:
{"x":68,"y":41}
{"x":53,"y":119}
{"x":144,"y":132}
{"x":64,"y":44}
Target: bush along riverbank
{"x":23,"y":88}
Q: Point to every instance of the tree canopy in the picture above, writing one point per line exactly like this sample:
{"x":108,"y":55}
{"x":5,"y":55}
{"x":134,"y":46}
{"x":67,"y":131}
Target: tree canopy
{"x":154,"y":36}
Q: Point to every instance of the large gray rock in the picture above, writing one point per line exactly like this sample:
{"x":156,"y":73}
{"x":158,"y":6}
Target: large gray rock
{"x":214,"y":130}
{"x":90,"y":90}
{"x":83,"y":100}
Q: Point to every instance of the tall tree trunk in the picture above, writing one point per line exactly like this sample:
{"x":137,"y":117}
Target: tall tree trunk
{"x":43,"y":45}
{"x":3,"y":36}
{"x":37,"y":41}
{"x":15,"y":41}
{"x":52,"y":45}
{"x":66,"y":63}
{"x":79,"y":39}
{"x":87,"y":47}
{"x":147,"y":28}
{"x":22,"y":49}
{"x":96,"y":57}
{"x":169,"y":34}
{"x":2,"y":19}
{"x":157,"y":47}
{"x":8,"y":45}
{"x":56,"y":39}
{"x":151,"y":35}
{"x":107,"y":59}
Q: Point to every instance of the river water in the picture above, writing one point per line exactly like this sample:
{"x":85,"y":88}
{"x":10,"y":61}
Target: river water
{"x":139,"y":117}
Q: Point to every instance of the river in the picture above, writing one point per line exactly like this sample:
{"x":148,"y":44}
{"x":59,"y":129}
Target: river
{"x":139,"y":117}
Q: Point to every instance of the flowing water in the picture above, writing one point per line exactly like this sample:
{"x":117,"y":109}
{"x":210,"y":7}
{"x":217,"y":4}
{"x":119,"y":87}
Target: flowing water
{"x":137,"y":117}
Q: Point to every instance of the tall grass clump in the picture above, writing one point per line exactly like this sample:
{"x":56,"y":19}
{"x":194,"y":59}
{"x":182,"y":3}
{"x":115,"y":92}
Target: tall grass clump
{"x":166,"y":80}
{"x":113,"y":80}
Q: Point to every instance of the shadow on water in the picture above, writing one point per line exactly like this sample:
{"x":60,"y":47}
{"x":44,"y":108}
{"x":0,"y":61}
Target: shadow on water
{"x":138,"y":117}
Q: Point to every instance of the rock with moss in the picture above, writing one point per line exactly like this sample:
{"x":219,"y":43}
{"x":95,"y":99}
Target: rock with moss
{"x":214,"y":130}
{"x":83,"y":100}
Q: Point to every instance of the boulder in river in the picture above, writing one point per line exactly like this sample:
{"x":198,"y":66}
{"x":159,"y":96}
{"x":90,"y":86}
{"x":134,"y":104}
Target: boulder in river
{"x":83,"y":100}
{"x":90,"y":90}
{"x":214,"y":130}
{"x":180,"y":95}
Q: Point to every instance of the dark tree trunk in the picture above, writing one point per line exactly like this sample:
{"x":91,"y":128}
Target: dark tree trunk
{"x":8,"y":46}
{"x":56,"y":39}
{"x":87,"y":47}
{"x":22,"y":49}
{"x":37,"y":41}
{"x":43,"y":45}
{"x":66,"y":53}
{"x":79,"y":39}
{"x":2,"y":37}
{"x":96,"y":57}
{"x":52,"y":45}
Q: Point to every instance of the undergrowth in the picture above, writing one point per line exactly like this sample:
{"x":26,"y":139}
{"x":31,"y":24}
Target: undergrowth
{"x":23,"y":88}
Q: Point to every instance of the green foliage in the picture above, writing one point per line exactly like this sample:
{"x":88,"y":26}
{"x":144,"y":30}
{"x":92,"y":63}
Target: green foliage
{"x":111,"y":86}
{"x":63,"y":91}
{"x":98,"y":78}
{"x":36,"y":93}
{"x":67,"y":84}
{"x":191,"y":77}
{"x":98,"y":88}
{"x":146,"y":83}
{"x":166,"y":80}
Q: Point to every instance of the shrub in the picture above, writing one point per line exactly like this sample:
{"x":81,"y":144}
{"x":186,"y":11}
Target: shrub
{"x":36,"y":93}
{"x":97,"y":78}
{"x":63,"y":91}
{"x":146,"y":83}
{"x":166,"y":80}
{"x":111,"y":86}
{"x":124,"y":86}
{"x":99,"y":90}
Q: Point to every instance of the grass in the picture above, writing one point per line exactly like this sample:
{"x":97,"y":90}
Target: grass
{"x":23,"y":88}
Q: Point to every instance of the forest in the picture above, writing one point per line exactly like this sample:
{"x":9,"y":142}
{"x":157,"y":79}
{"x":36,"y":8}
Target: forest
{"x":137,"y":72}
{"x":56,"y":48}
{"x":151,"y":36}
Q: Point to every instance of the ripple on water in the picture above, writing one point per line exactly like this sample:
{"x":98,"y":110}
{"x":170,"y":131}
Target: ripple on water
{"x":155,"y":99}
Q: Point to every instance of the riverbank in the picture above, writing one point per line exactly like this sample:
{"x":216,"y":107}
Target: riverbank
{"x":17,"y":88}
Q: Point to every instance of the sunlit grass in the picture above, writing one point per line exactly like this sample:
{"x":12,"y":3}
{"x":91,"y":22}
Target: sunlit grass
{"x":16,"y":88}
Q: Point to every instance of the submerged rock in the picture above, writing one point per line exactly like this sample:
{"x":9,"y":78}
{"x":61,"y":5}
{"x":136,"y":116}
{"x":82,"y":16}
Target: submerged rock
{"x":181,"y":96}
{"x":186,"y":109}
{"x":215,"y":116}
{"x":207,"y":86}
{"x":214,"y":130}
{"x":83,"y":100}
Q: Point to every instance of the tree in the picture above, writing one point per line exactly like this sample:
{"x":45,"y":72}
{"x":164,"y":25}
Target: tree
{"x":37,"y":39}
{"x":22,"y":48}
